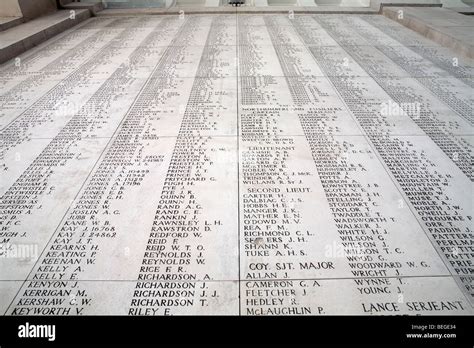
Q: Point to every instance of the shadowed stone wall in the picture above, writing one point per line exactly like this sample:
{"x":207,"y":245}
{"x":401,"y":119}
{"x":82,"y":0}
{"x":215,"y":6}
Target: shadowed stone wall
{"x":10,"y":8}
{"x":27,"y":9}
{"x":36,"y":8}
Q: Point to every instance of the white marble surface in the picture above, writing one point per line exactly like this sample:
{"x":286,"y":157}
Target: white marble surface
{"x":237,"y":164}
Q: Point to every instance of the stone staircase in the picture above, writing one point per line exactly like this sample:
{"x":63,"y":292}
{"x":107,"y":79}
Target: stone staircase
{"x":21,"y":37}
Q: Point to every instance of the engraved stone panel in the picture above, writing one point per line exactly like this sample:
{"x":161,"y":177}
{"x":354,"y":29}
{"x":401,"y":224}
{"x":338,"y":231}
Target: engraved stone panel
{"x":237,"y":164}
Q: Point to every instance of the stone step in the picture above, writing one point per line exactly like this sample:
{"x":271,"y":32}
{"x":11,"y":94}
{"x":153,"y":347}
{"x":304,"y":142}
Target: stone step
{"x":21,"y":38}
{"x":9,"y":22}
{"x":241,"y":9}
{"x":93,"y":6}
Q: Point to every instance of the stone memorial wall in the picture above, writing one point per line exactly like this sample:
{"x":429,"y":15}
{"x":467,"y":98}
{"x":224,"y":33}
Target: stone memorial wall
{"x":237,"y":164}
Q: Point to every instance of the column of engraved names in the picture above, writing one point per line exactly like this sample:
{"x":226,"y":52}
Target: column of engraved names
{"x":362,"y":231}
{"x":442,"y":210}
{"x":443,"y":126}
{"x":452,"y":92}
{"x":20,"y":81}
{"x":184,"y":265}
{"x":275,"y":238}
{"x":47,"y":116}
{"x":39,"y":185}
{"x":38,"y":96}
{"x":441,"y":57}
